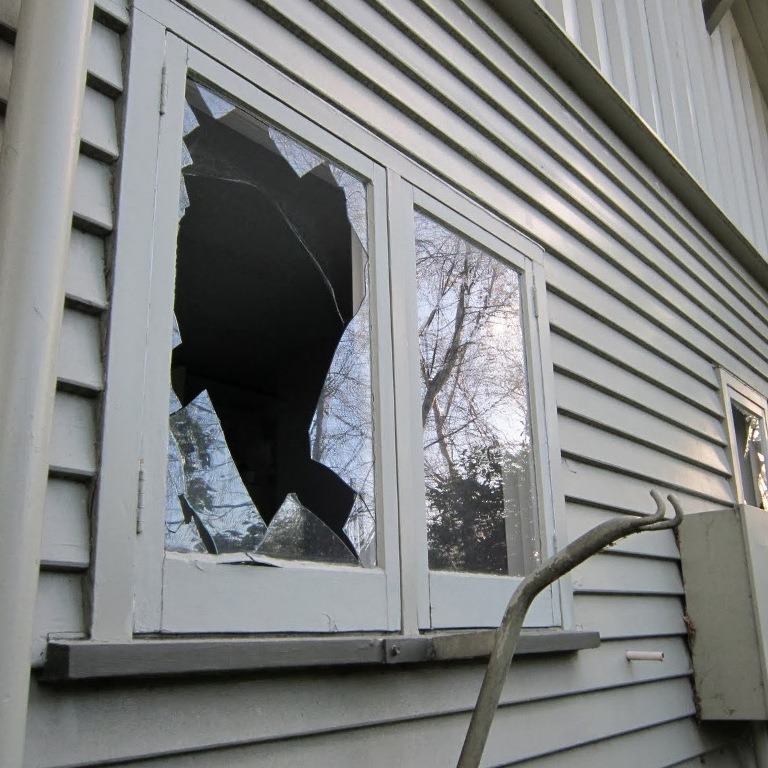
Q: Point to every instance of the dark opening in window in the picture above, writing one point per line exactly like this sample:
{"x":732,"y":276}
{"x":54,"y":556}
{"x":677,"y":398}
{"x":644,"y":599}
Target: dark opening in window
{"x":270,"y":443}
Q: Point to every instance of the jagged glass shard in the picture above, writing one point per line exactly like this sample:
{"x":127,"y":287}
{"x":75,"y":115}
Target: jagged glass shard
{"x":481,"y":509}
{"x":302,"y":159}
{"x":361,"y":531}
{"x":190,"y":120}
{"x":217,"y":106}
{"x":296,"y":534}
{"x":180,"y":535}
{"x":175,"y":333}
{"x":357,"y":201}
{"x":210,"y":480}
{"x":186,"y":158}
{"x":183,"y":198}
{"x":341,"y":433}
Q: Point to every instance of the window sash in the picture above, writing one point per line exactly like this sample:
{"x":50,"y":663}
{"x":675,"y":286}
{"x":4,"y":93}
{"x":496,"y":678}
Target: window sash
{"x":198,"y":593}
{"x":447,"y":599}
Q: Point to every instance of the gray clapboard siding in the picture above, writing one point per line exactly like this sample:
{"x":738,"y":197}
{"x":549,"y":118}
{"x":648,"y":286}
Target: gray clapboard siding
{"x":585,"y":442}
{"x":115,"y":13}
{"x":643,"y":748}
{"x":607,"y":375}
{"x":606,"y":488}
{"x":670,"y":60}
{"x":581,"y":518}
{"x":609,"y":413}
{"x":635,"y":351}
{"x":80,"y":360}
{"x":105,"y":60}
{"x":59,"y":609}
{"x":93,"y":204}
{"x":85,"y":280}
{"x":627,"y":574}
{"x":73,"y":438}
{"x":528,"y":151}
{"x":630,"y":616}
{"x":499,"y":48}
{"x":99,"y":128}
{"x":66,"y":530}
{"x":261,"y":708}
{"x":517,"y":733}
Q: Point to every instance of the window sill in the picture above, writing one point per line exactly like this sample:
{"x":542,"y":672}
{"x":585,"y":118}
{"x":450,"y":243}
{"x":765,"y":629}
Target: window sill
{"x":71,"y":660}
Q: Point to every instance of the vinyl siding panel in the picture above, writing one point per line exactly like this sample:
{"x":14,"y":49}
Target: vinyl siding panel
{"x":642,"y":302}
{"x":675,"y":64}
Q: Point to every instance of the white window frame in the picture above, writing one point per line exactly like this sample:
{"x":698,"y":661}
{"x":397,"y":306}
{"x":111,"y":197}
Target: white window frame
{"x":463,"y":600}
{"x":200,"y":593}
{"x":750,"y":400}
{"x":192,"y":594}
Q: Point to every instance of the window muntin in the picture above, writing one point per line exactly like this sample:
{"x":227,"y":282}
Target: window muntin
{"x":271,"y":426}
{"x":478,"y":461}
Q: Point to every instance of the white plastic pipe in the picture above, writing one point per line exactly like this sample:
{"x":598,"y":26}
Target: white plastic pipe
{"x":37,"y":173}
{"x":645,"y":655}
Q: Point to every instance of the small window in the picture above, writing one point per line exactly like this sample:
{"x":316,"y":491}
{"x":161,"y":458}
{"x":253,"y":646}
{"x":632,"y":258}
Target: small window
{"x":746,"y":410}
{"x":481,"y":505}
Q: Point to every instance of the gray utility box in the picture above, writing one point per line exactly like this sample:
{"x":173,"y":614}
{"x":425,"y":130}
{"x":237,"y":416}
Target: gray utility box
{"x":725,"y":570}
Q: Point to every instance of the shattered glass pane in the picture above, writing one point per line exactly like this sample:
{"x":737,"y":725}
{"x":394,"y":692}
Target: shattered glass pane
{"x":216,"y":105}
{"x":190,"y":121}
{"x":211,"y":497}
{"x":750,"y":442}
{"x":296,"y":534}
{"x":272,"y":428}
{"x":302,"y":159}
{"x":478,"y":462}
{"x":357,"y":202}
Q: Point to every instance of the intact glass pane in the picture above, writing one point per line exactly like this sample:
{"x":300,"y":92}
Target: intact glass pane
{"x":750,"y":442}
{"x":478,"y":463}
{"x":271,"y":428}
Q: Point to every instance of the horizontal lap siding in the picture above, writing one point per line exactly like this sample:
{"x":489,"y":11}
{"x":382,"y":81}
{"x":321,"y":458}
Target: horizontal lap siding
{"x":65,"y":551}
{"x":691,"y":88}
{"x":642,"y":304}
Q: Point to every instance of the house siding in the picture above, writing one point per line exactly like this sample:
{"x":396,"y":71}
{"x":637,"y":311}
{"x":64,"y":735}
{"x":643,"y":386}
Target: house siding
{"x":697,"y":91}
{"x":643,"y":304}
{"x":65,"y":552}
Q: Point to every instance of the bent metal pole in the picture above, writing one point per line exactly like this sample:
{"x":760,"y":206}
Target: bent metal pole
{"x":37,"y":171}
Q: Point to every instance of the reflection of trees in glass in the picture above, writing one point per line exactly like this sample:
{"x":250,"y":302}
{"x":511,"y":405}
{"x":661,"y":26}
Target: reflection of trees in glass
{"x":341,"y":433}
{"x":474,"y":405}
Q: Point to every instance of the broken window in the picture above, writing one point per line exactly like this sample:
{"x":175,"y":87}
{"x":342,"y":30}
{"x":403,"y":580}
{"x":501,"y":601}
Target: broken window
{"x":749,"y":434}
{"x":270,"y":448}
{"x":478,"y":461}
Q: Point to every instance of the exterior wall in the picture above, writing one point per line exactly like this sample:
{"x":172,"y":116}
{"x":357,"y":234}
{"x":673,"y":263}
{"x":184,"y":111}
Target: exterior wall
{"x":643,"y":303}
{"x":74,"y":455}
{"x":697,"y":92}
